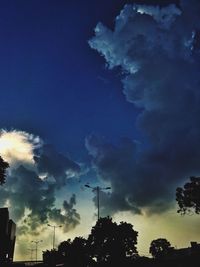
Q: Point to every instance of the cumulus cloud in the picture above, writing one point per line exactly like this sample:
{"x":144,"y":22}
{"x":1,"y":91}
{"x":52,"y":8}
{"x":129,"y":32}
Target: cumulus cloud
{"x":17,"y":147}
{"x":158,"y":51}
{"x":31,"y":199}
{"x":53,"y":164}
{"x":67,"y":216}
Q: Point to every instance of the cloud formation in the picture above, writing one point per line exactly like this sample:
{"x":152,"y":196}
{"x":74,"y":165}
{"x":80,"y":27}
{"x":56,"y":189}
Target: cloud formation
{"x":17,"y":147}
{"x":55,"y":165}
{"x":158,"y":51}
{"x":30,"y":197}
{"x":67,"y":216}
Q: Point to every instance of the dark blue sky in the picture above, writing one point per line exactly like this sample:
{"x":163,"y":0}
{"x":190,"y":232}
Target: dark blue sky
{"x":52,"y":83}
{"x":55,"y":85}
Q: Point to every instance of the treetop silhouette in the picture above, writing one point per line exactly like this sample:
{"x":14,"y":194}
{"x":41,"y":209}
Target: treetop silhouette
{"x":159,"y":247}
{"x":109,"y":241}
{"x":188,"y":197}
{"x":3,"y":166}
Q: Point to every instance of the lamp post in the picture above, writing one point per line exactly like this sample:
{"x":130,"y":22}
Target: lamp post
{"x":54,"y":232}
{"x":97,"y":189}
{"x":36,"y":245}
{"x":31,"y":252}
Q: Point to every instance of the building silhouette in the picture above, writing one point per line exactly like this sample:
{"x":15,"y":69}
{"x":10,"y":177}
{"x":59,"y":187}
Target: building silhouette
{"x":7,"y":236}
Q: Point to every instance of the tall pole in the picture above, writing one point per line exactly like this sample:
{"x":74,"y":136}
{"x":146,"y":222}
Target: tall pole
{"x":98,"y":211}
{"x":31,"y":252}
{"x":54,"y":233}
{"x":36,"y":245}
{"x":36,"y":252}
{"x":98,"y":189}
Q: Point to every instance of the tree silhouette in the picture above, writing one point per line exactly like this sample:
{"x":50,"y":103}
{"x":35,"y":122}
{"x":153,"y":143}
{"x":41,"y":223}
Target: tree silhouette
{"x":3,"y":166}
{"x":51,"y":257}
{"x":64,"y":247}
{"x":74,"y":252}
{"x":159,"y":247}
{"x":188,"y":197}
{"x":109,"y":242}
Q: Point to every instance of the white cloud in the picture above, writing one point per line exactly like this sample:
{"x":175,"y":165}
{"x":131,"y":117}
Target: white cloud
{"x":18,"y":146}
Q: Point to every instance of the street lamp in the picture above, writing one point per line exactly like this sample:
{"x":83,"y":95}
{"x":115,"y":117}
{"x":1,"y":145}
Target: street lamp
{"x":31,"y":251}
{"x":97,"y":189}
{"x":54,"y":232}
{"x":36,"y":244}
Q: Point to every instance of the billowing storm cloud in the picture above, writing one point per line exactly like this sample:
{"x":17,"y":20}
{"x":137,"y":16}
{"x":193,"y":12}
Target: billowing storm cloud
{"x":158,"y":52}
{"x":36,"y":174}
{"x":69,"y":218}
{"x":55,"y":165}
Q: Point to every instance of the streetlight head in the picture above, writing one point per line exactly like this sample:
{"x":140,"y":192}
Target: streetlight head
{"x":86,"y":185}
{"x":108,"y":187}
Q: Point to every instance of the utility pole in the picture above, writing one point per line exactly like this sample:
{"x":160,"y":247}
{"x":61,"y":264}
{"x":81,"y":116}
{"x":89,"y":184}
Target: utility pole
{"x":36,"y":245}
{"x":54,"y":232}
{"x":97,"y":189}
{"x":31,"y":252}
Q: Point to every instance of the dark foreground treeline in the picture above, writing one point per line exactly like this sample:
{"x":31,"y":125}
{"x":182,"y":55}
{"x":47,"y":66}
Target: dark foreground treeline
{"x":110,"y":245}
{"x":188,"y":261}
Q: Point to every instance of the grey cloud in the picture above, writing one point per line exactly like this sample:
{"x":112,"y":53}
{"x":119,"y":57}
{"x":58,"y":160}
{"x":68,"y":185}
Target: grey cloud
{"x":32,"y":200}
{"x":158,"y":52}
{"x":69,"y":219}
{"x":24,"y":190}
{"x":54,"y":164}
{"x":133,"y":179}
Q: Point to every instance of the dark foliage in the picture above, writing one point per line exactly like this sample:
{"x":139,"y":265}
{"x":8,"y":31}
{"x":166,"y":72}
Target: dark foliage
{"x":110,"y":242}
{"x":188,"y":197}
{"x":51,"y":257}
{"x":3,"y":166}
{"x":160,"y":247}
{"x":64,"y":247}
{"x":71,"y":253}
{"x":75,"y":252}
